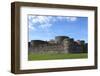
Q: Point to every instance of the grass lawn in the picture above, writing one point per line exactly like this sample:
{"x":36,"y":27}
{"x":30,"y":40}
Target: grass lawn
{"x":54,"y":56}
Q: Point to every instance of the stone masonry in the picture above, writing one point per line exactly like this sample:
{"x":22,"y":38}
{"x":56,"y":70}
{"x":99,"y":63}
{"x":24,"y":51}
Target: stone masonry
{"x":61,"y":44}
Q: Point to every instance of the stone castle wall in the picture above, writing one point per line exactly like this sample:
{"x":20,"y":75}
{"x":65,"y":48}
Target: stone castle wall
{"x":48,"y":48}
{"x":61,"y":44}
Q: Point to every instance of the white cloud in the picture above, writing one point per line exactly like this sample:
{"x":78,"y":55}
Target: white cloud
{"x":60,"y":18}
{"x":71,"y":18}
{"x":41,"y":19}
{"x":47,"y":25}
{"x":31,"y":28}
{"x":45,"y":22}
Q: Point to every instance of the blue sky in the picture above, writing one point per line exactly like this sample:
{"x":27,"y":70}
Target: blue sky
{"x":47,"y":27}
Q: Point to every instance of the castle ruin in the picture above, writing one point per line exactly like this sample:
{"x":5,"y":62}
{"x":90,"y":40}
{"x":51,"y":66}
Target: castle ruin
{"x":61,"y":44}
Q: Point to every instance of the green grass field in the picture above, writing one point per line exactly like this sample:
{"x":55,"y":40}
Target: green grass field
{"x":54,"y":56}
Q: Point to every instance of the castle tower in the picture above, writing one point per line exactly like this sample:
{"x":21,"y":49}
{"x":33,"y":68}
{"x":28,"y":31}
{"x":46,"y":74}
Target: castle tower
{"x":59,"y":39}
{"x":66,"y":43}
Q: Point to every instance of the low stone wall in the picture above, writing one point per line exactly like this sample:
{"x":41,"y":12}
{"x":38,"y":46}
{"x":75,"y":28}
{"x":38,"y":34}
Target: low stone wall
{"x":47,"y":48}
{"x":55,"y":49}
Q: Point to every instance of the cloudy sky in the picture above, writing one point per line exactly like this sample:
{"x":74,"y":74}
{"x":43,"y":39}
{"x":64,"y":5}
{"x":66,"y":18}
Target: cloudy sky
{"x":47,"y":27}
